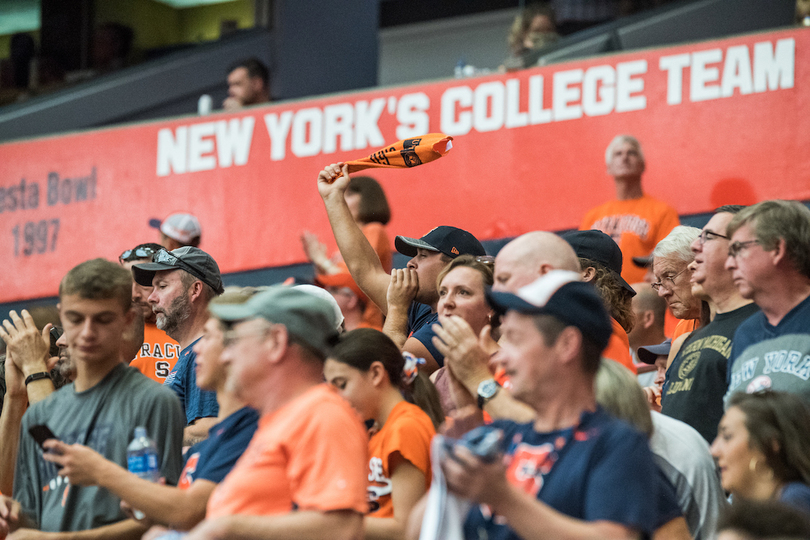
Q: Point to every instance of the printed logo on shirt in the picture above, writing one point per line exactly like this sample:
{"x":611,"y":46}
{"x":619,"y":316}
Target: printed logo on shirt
{"x":187,"y":476}
{"x":529,"y":464}
{"x":379,"y":486}
{"x":162,"y":369}
{"x":160,"y":351}
{"x":615,"y":226}
{"x":763,"y":382}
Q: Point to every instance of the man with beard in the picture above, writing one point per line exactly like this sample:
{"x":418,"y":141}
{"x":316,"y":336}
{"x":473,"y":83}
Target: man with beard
{"x":159,"y":353}
{"x":185,"y":281}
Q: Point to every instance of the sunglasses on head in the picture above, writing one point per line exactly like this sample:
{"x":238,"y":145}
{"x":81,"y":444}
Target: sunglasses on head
{"x":134,"y":254}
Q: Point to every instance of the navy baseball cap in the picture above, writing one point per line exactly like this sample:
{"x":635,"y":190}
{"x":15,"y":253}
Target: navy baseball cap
{"x":561,"y":294}
{"x":650,"y":353}
{"x":451,"y":241}
{"x":599,"y":247}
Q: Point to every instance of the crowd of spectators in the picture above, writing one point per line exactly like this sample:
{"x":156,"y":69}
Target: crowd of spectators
{"x":312,"y":412}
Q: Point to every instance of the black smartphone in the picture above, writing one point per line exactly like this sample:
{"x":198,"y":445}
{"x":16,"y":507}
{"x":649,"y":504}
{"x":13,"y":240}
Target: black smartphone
{"x":56,"y":333}
{"x":41,"y":433}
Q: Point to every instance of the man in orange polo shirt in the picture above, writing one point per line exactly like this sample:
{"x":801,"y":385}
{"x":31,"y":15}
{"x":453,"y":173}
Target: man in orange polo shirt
{"x":159,"y":352}
{"x":304,"y":472}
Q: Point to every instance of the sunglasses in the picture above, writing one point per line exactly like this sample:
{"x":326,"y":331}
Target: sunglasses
{"x":133,"y":254}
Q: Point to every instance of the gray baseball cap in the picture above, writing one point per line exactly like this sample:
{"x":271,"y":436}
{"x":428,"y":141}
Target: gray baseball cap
{"x":309,"y":318}
{"x":191,"y":259}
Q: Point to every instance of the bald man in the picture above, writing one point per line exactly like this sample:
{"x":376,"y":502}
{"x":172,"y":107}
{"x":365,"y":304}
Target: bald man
{"x":650,"y":310}
{"x":518,"y":263}
{"x":529,"y":256}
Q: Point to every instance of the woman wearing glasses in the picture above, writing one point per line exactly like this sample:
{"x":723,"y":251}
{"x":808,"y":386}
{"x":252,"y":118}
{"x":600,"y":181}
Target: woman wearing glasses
{"x":763,"y":448}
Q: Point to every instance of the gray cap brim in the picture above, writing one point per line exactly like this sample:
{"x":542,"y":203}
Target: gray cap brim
{"x":409,"y":246}
{"x":233,"y":312}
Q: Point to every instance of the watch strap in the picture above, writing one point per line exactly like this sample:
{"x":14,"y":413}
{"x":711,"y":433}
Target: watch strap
{"x":37,"y":376}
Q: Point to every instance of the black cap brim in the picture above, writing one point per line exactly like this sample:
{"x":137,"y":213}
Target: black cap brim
{"x":504,"y":301}
{"x":409,"y":246}
{"x":143,"y":274}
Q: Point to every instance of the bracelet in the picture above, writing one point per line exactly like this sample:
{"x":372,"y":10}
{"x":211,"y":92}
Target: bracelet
{"x":37,"y":376}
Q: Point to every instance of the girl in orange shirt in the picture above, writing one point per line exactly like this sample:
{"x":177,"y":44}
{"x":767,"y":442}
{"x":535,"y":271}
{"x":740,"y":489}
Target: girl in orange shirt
{"x":367,"y":369}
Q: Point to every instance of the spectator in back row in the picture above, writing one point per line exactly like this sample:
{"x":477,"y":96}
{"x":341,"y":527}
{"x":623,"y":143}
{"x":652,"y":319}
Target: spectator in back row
{"x":636,"y":221}
{"x":178,"y":230}
{"x":185,"y":281}
{"x":248,"y":84}
{"x":370,"y":210}
{"x":769,"y":260}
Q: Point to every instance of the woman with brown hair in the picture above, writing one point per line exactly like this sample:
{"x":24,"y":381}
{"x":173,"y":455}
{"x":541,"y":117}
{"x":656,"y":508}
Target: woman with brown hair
{"x":763,"y":448}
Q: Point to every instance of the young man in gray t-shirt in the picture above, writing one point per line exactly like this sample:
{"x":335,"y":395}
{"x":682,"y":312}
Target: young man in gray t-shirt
{"x":100,"y":410}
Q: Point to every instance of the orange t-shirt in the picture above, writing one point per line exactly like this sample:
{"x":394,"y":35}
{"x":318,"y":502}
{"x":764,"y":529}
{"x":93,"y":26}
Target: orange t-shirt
{"x":637,"y":225}
{"x":618,"y":348}
{"x":685,"y":326}
{"x":158,"y":355}
{"x":407,"y":432}
{"x":309,"y":455}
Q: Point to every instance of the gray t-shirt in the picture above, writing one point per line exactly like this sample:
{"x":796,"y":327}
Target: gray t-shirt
{"x":684,"y":456}
{"x":103,"y":418}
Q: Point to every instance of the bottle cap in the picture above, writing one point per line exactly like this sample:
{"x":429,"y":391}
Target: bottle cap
{"x":140,"y":431}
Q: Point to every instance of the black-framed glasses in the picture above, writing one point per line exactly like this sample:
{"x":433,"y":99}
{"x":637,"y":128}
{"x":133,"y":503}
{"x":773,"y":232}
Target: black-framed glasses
{"x":658,"y":284}
{"x":735,"y":248}
{"x":139,"y":253}
{"x":707,"y":235}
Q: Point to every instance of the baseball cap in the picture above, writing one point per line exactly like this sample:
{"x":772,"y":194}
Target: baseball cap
{"x":191,"y":259}
{"x":650,"y":353}
{"x":561,"y":294}
{"x":599,"y":247}
{"x":310,"y":318}
{"x":643,"y":262}
{"x":326,"y":295}
{"x":181,"y":227}
{"x":451,"y":241}
{"x":341,"y":280}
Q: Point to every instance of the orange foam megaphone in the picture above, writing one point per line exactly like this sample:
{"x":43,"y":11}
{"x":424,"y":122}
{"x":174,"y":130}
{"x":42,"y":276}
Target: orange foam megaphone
{"x":405,"y":154}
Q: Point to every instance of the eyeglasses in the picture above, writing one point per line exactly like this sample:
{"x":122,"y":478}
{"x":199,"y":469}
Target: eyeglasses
{"x":231,"y":337}
{"x":658,"y":284}
{"x":488,"y":260}
{"x":706,"y":235}
{"x":735,"y":248}
{"x":139,"y":253}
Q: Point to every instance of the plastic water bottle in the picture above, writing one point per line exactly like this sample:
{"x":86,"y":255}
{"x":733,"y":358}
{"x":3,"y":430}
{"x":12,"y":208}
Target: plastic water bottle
{"x":142,"y":459}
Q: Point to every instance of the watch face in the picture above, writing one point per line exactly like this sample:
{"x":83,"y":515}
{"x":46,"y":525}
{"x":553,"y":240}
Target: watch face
{"x":487,"y":388}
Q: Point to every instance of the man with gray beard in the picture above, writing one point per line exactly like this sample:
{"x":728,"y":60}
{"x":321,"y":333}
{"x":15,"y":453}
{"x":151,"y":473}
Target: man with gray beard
{"x":185,"y":281}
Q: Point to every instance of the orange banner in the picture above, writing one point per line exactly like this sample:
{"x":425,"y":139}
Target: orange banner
{"x":720,"y":121}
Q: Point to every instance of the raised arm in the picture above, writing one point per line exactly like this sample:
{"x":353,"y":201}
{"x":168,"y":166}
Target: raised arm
{"x":358,"y":254}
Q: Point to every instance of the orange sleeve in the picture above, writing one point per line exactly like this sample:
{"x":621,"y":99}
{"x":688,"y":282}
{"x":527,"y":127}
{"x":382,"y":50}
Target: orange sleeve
{"x":685,"y":326}
{"x":669,"y":220}
{"x":618,"y":348}
{"x":411,"y":440}
{"x":588,"y":220}
{"x":327,"y":462}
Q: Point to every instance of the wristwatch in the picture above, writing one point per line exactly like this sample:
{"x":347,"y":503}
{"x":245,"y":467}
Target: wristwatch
{"x":486,"y":391}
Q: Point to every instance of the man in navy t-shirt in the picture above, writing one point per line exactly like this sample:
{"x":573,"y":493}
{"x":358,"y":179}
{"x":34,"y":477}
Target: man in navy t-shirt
{"x":185,"y":281}
{"x":574,"y":471}
{"x":429,"y":255}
